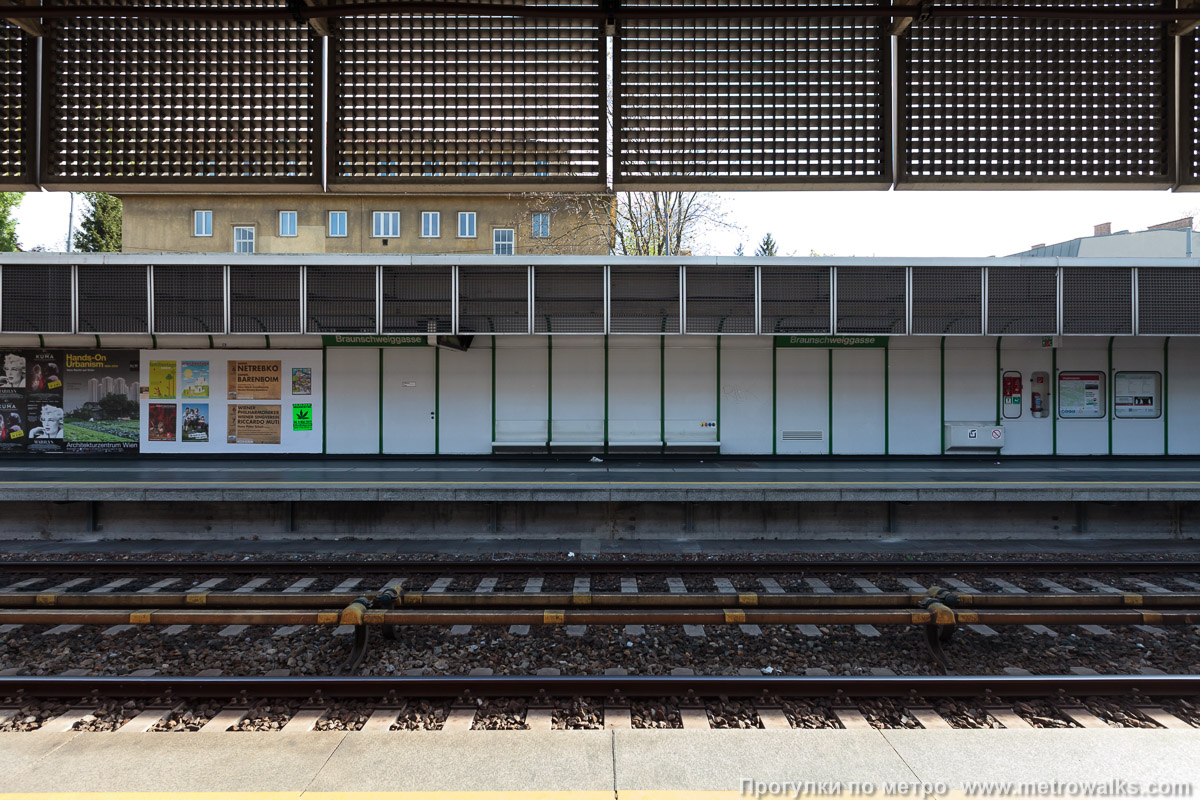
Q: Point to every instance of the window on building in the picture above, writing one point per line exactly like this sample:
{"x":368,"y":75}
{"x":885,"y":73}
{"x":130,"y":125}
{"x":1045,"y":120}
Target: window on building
{"x":541,"y":226}
{"x":431,"y":224}
{"x":243,"y":239}
{"x":466,"y":224}
{"x":337,"y":223}
{"x":502,"y":242}
{"x":468,"y":168}
{"x":541,"y":169}
{"x":202,"y":223}
{"x":506,"y":169}
{"x":432,"y":168}
{"x":287,"y":223}
{"x":387,"y":169}
{"x":385,"y":224}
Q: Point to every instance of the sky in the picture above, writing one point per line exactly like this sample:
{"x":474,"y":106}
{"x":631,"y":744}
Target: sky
{"x":906,"y":223}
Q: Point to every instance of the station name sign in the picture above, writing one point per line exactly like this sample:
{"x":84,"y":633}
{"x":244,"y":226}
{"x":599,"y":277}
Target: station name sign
{"x":367,"y":340}
{"x":831,"y":341}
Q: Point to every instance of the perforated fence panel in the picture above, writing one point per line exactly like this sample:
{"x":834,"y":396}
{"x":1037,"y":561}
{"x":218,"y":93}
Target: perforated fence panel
{"x":35,"y":298}
{"x":461,"y":98}
{"x":1160,"y":311}
{"x":795,"y":300}
{"x":18,"y":76}
{"x":264,"y":299}
{"x":418,"y":300}
{"x":992,"y":99}
{"x":1189,"y":110}
{"x":1097,"y":300}
{"x":112,"y":299}
{"x":947,"y":300}
{"x":189,"y":299}
{"x":644,"y":299}
{"x":750,"y":100}
{"x":719,"y":300}
{"x":870,"y":300}
{"x":493,"y":299}
{"x":340,"y":299}
{"x":568,"y":300}
{"x":174,"y":100}
{"x":1022,"y":300}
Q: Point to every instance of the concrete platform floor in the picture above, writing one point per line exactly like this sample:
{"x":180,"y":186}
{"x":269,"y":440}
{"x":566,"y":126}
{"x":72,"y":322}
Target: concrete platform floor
{"x":614,"y":765}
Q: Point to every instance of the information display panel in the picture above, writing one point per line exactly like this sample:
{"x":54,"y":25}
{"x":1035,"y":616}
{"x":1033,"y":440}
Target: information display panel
{"x":1081,"y":395}
{"x":1137,"y":395}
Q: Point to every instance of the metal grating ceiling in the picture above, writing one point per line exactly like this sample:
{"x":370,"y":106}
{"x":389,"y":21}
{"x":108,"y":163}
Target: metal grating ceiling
{"x":568,"y":300}
{"x":795,"y":300}
{"x":493,"y":299}
{"x":418,"y":300}
{"x":1160,"y":291}
{"x":947,"y":300}
{"x":991,"y":100}
{"x":719,"y":300}
{"x":1022,"y":300}
{"x":264,"y":299}
{"x":189,"y":299}
{"x":643,"y":299}
{"x":18,"y":74}
{"x":340,"y":299}
{"x":871,"y":300}
{"x":1189,"y":110}
{"x":1097,"y":300}
{"x":112,"y":299}
{"x":36,"y":298}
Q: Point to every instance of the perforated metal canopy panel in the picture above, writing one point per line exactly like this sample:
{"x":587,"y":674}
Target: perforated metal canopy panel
{"x":340,"y":299}
{"x":568,"y":300}
{"x":1189,"y":111}
{"x":1022,"y":300}
{"x":418,"y":300}
{"x":719,"y":300}
{"x":750,"y":100}
{"x":1160,"y":311}
{"x":112,"y":299}
{"x":167,"y":101}
{"x":947,"y":300}
{"x":189,"y":299}
{"x":643,"y":299}
{"x":18,"y":76}
{"x":993,"y":100}
{"x":264,"y":299}
{"x":871,"y":300}
{"x":493,"y":299}
{"x":1097,"y":300}
{"x":469,"y":99}
{"x":795,"y":300}
{"x":36,"y":298}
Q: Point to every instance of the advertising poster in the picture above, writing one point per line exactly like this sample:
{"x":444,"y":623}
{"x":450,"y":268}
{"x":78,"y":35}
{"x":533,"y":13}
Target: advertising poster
{"x":100,"y":400}
{"x":255,"y":380}
{"x":302,"y":417}
{"x":44,"y":417}
{"x":195,"y":422}
{"x":254,"y":424}
{"x":1080,"y":395}
{"x":12,"y":423}
{"x":12,"y":378}
{"x":194,"y":378}
{"x":162,"y":421}
{"x":162,"y":380}
{"x":302,"y":380}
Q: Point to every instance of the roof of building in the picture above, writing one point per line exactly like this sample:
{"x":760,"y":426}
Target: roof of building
{"x":1072,"y":247}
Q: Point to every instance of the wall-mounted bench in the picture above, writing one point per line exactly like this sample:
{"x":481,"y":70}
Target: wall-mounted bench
{"x":520,"y":436}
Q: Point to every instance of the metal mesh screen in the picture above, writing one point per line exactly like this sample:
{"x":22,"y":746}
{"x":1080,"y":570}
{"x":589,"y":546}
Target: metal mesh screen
{"x":644,"y":300}
{"x":795,"y":300}
{"x":947,"y":300}
{"x":176,"y":100}
{"x":340,"y":299}
{"x":465,"y":98}
{"x":36,"y":299}
{"x":264,"y":299}
{"x":417,"y":300}
{"x":750,"y":100}
{"x":493,"y":300}
{"x":1022,"y":300}
{"x":112,"y":299}
{"x":992,"y":99}
{"x":568,"y":300}
{"x":1097,"y":300}
{"x":1160,"y":310}
{"x":719,"y":299}
{"x":189,"y":299}
{"x":870,"y":300}
{"x":18,"y":74}
{"x":1189,"y":110}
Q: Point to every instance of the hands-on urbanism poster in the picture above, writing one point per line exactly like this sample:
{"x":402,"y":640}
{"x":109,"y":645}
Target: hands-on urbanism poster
{"x":73,"y":401}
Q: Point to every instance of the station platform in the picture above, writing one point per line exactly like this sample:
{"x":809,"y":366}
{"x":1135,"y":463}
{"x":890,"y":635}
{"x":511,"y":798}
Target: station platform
{"x":608,"y":765}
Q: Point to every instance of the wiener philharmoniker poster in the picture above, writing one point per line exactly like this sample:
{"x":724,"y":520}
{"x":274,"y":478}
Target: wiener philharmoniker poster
{"x":254,"y":424}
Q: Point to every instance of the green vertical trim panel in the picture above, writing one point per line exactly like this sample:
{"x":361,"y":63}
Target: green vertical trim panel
{"x":268,"y":338}
{"x":154,"y":341}
{"x":1166,"y":363}
{"x":774,"y":397}
{"x":662,"y":392}
{"x":381,"y":401}
{"x":830,"y":385}
{"x":324,"y":397}
{"x":999,"y":380}
{"x":210,"y":341}
{"x":437,"y":400}
{"x":887,"y":433}
{"x":1054,"y":394}
{"x":493,"y":392}
{"x":97,"y":340}
{"x":606,"y":393}
{"x":1112,"y":401}
{"x":42,"y":341}
{"x":942,"y":394}
{"x":718,"y":392}
{"x":549,"y":389}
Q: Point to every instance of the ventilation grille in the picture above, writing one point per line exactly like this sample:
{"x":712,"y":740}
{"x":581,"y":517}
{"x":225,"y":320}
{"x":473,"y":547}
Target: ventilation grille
{"x":803,"y":436}
{"x":340,"y":299}
{"x":113,"y":300}
{"x":1167,"y":301}
{"x":493,"y":300}
{"x":776,"y":100}
{"x":17,"y":77}
{"x":1022,"y":300}
{"x":264,"y":299}
{"x":719,"y":299}
{"x":1002,"y":99}
{"x":1097,"y":301}
{"x":870,"y":300}
{"x":947,"y":300}
{"x":37,"y":299}
{"x":568,"y":300}
{"x":166,"y":100}
{"x":795,"y":300}
{"x":644,"y":300}
{"x":417,"y":300}
{"x":189,"y":299}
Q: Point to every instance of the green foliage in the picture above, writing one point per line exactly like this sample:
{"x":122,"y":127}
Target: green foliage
{"x":100,"y":230}
{"x":767,"y":247}
{"x":8,"y":220}
{"x":116,"y":405}
{"x":741,"y":251}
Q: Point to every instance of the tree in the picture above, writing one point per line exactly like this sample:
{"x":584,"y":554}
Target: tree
{"x":741,"y":251}
{"x":8,"y":221}
{"x":100,"y":230}
{"x":115,"y":406}
{"x":664,"y":223}
{"x":767,"y":247}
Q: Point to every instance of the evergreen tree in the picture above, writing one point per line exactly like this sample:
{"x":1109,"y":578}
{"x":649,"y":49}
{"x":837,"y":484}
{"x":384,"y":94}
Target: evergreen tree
{"x":8,"y":220}
{"x":100,"y":230}
{"x":741,"y":251}
{"x":767,"y":247}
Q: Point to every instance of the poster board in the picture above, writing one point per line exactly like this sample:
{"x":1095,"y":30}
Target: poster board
{"x":1081,"y":395}
{"x":1137,"y":395}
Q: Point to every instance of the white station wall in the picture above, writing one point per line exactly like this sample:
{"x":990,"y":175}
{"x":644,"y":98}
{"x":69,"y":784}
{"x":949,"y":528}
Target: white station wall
{"x":745,"y":394}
